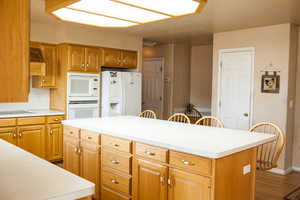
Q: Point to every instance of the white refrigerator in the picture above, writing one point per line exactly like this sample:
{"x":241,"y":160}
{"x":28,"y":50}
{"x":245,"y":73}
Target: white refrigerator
{"x":121,"y":93}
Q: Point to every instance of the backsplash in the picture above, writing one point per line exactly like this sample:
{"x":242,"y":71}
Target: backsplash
{"x":38,"y":99}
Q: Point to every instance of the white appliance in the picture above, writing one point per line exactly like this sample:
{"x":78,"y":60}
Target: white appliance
{"x":83,"y":96}
{"x":121,"y":93}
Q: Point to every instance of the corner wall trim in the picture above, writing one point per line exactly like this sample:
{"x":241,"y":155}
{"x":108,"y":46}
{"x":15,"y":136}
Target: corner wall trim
{"x":282,"y":171}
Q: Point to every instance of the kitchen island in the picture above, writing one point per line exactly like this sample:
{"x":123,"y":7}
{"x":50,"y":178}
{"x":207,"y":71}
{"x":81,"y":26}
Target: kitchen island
{"x":28,"y":177}
{"x":145,"y":159}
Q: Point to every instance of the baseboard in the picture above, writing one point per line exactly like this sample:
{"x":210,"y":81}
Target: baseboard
{"x":281,"y":171}
{"x":296,"y":169}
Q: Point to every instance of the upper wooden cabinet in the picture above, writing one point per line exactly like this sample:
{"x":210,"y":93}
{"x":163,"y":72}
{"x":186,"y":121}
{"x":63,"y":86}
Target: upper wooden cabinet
{"x":14,"y":54}
{"x":84,"y":59}
{"x":120,"y":58}
{"x":49,"y":52}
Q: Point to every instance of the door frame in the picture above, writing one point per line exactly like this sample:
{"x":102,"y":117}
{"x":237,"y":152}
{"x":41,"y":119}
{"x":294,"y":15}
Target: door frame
{"x":162,"y":80}
{"x":221,"y":52}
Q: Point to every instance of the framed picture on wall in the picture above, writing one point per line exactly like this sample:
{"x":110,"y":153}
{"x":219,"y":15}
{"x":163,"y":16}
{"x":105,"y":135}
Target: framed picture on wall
{"x":270,"y":83}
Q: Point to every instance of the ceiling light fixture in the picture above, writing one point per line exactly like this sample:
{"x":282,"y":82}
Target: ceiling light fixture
{"x":121,"y":13}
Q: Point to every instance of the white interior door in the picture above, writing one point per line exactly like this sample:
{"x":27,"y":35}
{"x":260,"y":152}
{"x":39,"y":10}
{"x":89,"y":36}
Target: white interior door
{"x":235,"y":88}
{"x":153,"y":86}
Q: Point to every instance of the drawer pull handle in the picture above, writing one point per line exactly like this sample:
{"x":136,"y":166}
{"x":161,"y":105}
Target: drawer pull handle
{"x":162,"y":179}
{"x":187,"y":163}
{"x":90,"y":138}
{"x":71,"y":132}
{"x":116,"y":145}
{"x":149,"y":153}
{"x":56,"y":120}
{"x":114,"y":181}
{"x":76,"y":149}
{"x":14,"y":135}
{"x":51,"y":132}
{"x":115,"y":162}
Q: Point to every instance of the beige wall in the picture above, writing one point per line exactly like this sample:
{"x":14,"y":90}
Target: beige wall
{"x":201,"y":76}
{"x":80,"y":34}
{"x":272,"y":45}
{"x":296,"y":155}
{"x":181,"y":96}
{"x":167,"y":52}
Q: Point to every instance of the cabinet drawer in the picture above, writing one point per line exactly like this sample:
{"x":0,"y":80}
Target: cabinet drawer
{"x":55,"y":119}
{"x":31,"y":120}
{"x":107,"y":194}
{"x":151,"y":152}
{"x":90,"y":136}
{"x":190,"y":162}
{"x":116,"y":143}
{"x":71,"y":131}
{"x":116,"y":182}
{"x":117,"y":161}
{"x":8,"y":122}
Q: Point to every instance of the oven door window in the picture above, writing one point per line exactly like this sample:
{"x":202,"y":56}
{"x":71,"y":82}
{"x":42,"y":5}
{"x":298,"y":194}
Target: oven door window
{"x":80,"y":87}
{"x":80,"y":113}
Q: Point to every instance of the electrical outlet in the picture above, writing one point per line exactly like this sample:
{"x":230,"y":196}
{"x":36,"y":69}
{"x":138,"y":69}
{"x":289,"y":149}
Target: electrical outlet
{"x":247,"y":169}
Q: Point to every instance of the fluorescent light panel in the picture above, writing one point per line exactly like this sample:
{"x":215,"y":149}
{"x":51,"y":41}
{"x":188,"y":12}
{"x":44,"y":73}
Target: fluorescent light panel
{"x":170,"y":7}
{"x":118,"y":10}
{"x":67,"y":14}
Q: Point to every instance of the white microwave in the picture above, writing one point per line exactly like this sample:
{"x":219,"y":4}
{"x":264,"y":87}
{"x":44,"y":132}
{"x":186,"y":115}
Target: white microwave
{"x":83,"y":85}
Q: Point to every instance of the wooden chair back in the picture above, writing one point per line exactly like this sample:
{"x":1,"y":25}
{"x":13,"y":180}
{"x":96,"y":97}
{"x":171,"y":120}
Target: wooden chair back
{"x":148,"y":114}
{"x":268,"y":154}
{"x":210,"y":121}
{"x":179,"y":117}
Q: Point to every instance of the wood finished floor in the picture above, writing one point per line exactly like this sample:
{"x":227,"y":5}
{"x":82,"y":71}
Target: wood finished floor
{"x":275,"y":187}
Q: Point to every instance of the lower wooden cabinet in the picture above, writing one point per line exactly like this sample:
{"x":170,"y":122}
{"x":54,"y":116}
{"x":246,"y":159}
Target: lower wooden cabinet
{"x":108,"y":194}
{"x":9,"y":135}
{"x":54,"y":142}
{"x":71,"y":155}
{"x":184,"y":185}
{"x":150,"y":181}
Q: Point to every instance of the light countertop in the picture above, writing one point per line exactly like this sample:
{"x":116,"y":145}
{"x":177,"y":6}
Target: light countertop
{"x":31,"y":113}
{"x":27,"y":177}
{"x":194,"y":139}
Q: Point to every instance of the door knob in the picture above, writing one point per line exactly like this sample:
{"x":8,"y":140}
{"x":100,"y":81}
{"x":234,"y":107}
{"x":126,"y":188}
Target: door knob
{"x":246,"y":114}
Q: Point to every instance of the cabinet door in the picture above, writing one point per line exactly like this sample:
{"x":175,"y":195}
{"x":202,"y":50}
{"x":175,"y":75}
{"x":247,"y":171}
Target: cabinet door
{"x":149,"y":181}
{"x":129,"y":59}
{"x":90,"y":164}
{"x":93,"y":60}
{"x":76,"y":58}
{"x":9,"y":135}
{"x":32,"y":139}
{"x":112,"y":58}
{"x":71,"y":155}
{"x":50,"y":56}
{"x":54,"y":142}
{"x":184,"y":185}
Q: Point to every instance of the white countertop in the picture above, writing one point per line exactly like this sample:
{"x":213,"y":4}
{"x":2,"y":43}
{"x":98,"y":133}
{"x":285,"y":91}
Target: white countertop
{"x":199,"y":140}
{"x":33,"y":113}
{"x":24,"y":176}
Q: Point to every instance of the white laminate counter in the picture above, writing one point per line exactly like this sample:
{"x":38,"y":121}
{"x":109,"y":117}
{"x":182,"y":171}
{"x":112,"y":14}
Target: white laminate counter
{"x":24,"y":176}
{"x":33,"y":113}
{"x":199,"y":140}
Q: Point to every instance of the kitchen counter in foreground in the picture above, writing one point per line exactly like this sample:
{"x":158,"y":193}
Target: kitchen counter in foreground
{"x":198,"y":140}
{"x":27,"y":177}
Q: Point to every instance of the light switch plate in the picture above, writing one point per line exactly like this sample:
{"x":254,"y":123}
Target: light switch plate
{"x":247,"y":169}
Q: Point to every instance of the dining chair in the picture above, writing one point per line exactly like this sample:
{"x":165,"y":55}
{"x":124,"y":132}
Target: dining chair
{"x":210,"y":121}
{"x":179,"y":117}
{"x":148,"y":114}
{"x":268,"y":154}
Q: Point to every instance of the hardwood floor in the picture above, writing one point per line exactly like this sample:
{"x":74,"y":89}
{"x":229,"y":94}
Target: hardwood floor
{"x":274,"y":187}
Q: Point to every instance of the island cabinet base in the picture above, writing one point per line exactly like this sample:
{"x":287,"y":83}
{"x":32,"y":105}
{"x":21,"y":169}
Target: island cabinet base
{"x":130,"y":170}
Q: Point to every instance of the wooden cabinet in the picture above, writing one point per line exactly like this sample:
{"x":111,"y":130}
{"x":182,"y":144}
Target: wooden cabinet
{"x":120,"y":58}
{"x":84,"y":59}
{"x":14,"y":54}
{"x":71,"y":155}
{"x":184,"y":185}
{"x":82,"y":156}
{"x":32,"y":139}
{"x":54,"y":142}
{"x":49,"y":52}
{"x":9,"y":135}
{"x":150,"y":181}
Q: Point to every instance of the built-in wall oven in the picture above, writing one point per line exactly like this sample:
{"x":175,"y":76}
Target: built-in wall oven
{"x":83,"y":96}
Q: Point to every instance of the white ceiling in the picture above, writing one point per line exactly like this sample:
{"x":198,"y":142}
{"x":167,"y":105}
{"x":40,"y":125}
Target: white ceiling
{"x":218,"y":16}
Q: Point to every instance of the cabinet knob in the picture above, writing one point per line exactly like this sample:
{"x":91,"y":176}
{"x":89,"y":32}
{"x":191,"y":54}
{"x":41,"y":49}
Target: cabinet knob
{"x":20,"y":134}
{"x":116,"y":145}
{"x":51,"y":132}
{"x":185,"y":162}
{"x":162,"y":179}
{"x":149,"y":153}
{"x":169,"y":181}
{"x":76,"y":149}
{"x":14,"y":135}
{"x":56,"y":120}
